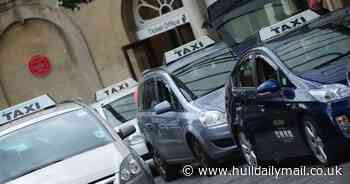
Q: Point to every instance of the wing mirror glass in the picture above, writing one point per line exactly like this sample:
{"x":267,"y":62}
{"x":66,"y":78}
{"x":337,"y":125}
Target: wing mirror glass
{"x":268,"y":87}
{"x":163,"y":107}
{"x":125,"y":132}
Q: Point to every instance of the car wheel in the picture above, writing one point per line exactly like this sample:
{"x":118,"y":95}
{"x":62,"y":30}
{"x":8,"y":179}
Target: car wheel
{"x":317,"y":144}
{"x":166,"y":171}
{"x":247,"y":149}
{"x":201,"y":156}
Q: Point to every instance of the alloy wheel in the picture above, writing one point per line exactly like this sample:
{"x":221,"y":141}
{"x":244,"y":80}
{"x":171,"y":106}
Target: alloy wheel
{"x":315,"y":142}
{"x":247,"y":150}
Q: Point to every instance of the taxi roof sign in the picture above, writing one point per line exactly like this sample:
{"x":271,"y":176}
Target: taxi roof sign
{"x":188,"y":49}
{"x":115,"y":89}
{"x":25,"y":108}
{"x":287,"y":25}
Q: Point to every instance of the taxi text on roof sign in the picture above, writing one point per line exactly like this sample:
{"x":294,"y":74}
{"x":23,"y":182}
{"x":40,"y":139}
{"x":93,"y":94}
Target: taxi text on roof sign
{"x":25,"y":108}
{"x":188,"y":49}
{"x":287,"y":25}
{"x":115,"y":89}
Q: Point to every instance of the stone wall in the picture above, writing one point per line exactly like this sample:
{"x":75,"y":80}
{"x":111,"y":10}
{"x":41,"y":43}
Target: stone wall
{"x":91,"y":39}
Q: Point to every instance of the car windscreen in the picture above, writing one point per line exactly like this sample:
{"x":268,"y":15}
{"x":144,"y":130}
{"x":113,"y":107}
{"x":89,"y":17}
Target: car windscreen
{"x":49,"y":141}
{"x":319,"y":54}
{"x":244,"y":22}
{"x":123,"y":109}
{"x":205,"y":75}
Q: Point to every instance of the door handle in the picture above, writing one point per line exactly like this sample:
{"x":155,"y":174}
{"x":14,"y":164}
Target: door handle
{"x":149,"y":126}
{"x":163,"y":126}
{"x":261,"y":108}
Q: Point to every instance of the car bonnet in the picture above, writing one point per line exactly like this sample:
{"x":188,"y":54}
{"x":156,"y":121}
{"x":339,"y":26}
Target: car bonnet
{"x":84,"y":168}
{"x":212,"y":101}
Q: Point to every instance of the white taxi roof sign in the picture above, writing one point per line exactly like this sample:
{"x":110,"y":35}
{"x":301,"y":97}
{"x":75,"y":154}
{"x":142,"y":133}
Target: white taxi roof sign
{"x":25,"y":108}
{"x":188,"y":49}
{"x":287,"y":25}
{"x":115,"y":89}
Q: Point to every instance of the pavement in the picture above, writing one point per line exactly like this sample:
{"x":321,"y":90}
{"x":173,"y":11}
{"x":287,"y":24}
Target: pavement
{"x":196,"y":179}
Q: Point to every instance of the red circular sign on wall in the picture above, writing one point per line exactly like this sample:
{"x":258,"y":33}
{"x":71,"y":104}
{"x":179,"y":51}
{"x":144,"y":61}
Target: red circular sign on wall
{"x":39,"y":66}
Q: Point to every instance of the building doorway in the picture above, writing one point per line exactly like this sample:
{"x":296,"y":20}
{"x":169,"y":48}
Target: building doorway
{"x":159,"y":26}
{"x":149,"y":53}
{"x":156,"y":46}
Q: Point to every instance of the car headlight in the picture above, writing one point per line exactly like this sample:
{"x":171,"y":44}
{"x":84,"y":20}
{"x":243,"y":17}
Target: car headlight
{"x":130,"y":168}
{"x":134,"y":139}
{"x":212,"y":118}
{"x":328,"y":93}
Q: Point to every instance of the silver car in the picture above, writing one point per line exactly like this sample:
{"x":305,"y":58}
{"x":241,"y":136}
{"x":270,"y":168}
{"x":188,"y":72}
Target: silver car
{"x":120,"y":111}
{"x":68,"y":143}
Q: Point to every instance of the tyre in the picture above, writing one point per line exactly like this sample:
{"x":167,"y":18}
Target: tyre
{"x":247,"y":149}
{"x":317,"y":143}
{"x":201,"y":156}
{"x":167,"y":171}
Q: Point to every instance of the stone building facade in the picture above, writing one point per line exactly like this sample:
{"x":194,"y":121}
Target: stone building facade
{"x":103,"y":43}
{"x":80,"y":52}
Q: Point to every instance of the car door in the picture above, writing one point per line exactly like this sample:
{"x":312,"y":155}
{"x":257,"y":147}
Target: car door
{"x":280,"y":115}
{"x":171,"y":143}
{"x":251,"y":109}
{"x":245,"y":92}
{"x":147,"y":101}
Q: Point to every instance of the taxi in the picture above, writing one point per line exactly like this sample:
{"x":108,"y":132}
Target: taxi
{"x":67,"y":143}
{"x":181,"y":107}
{"x":117,"y":105}
{"x":290,"y":95}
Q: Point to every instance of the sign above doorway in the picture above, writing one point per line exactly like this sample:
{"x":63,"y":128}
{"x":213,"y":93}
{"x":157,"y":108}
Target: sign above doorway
{"x":165,"y":24}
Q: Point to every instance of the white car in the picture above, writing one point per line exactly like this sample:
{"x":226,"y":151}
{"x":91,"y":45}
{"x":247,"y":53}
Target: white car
{"x":119,"y":109}
{"x":68,"y":143}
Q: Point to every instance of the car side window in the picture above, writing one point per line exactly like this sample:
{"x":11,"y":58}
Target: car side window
{"x":165,"y":93}
{"x":246,"y":74}
{"x":285,"y":82}
{"x":111,"y":119}
{"x":265,"y":71}
{"x":149,"y":96}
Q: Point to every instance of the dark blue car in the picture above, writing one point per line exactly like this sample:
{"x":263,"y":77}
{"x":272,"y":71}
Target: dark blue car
{"x":290,"y":97}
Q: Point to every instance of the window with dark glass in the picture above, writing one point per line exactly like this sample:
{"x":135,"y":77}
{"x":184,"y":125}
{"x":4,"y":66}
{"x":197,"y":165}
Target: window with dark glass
{"x":319,"y":52}
{"x":245,"y":21}
{"x":246,"y":74}
{"x":165,"y":94}
{"x":124,"y":109}
{"x":265,"y":71}
{"x":149,"y":96}
{"x":205,"y":75}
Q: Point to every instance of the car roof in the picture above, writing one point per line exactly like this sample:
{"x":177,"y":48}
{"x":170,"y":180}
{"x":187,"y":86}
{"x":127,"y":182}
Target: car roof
{"x":217,"y":48}
{"x":39,"y":116}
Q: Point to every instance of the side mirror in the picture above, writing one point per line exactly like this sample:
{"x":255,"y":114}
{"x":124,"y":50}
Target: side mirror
{"x":269,"y":87}
{"x":163,"y":107}
{"x":125,"y":132}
